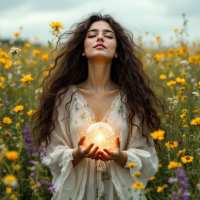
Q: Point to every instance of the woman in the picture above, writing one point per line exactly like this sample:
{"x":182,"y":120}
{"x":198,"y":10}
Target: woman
{"x":98,"y":77}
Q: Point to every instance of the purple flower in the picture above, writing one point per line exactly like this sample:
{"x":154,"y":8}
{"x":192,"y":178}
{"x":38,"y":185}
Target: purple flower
{"x":183,"y":184}
{"x":29,"y":141}
{"x":5,"y":99}
{"x":172,"y":180}
{"x":33,"y":168}
{"x":50,"y":186}
{"x":187,"y":93}
{"x":34,"y":162}
{"x":180,"y":142}
{"x":38,"y":184}
{"x":182,"y":130}
{"x":175,"y":196}
{"x":32,"y":174}
{"x":177,"y":88}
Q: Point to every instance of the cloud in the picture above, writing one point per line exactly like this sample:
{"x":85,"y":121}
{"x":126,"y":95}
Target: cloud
{"x":156,"y":17}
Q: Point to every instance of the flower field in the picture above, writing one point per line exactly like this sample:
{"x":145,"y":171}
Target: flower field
{"x":176,"y":68}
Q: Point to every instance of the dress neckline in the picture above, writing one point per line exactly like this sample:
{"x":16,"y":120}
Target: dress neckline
{"x":90,"y":112}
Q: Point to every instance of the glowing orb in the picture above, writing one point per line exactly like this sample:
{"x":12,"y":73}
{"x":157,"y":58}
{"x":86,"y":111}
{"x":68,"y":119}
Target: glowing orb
{"x":101,"y":134}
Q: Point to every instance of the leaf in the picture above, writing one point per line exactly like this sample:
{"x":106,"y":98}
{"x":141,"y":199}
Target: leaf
{"x":194,"y":171}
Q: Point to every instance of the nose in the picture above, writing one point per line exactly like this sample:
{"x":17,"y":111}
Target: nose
{"x":100,"y":38}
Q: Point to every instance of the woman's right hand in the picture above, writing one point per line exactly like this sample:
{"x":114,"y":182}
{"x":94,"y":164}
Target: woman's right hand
{"x":84,"y":151}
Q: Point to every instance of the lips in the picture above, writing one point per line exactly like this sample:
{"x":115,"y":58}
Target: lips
{"x":100,"y":46}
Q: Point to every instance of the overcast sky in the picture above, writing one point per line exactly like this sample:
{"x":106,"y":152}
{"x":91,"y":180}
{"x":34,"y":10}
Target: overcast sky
{"x":158,"y":17}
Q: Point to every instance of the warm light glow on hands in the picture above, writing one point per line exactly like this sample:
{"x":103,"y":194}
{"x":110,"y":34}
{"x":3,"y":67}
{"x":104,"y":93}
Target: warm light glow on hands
{"x":112,"y":154}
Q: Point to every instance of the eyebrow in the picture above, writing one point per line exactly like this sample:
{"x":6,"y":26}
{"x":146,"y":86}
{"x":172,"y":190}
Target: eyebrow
{"x":105,"y":30}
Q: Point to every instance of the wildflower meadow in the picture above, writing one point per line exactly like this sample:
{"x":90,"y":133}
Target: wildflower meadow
{"x":176,"y":68}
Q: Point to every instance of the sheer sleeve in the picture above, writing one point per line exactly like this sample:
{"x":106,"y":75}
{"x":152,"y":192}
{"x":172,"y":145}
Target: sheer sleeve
{"x":145,"y":158}
{"x":67,"y":180}
{"x":141,"y":153}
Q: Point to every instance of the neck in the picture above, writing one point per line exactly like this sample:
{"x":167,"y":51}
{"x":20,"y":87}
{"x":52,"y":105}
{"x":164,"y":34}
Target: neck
{"x":99,"y":75}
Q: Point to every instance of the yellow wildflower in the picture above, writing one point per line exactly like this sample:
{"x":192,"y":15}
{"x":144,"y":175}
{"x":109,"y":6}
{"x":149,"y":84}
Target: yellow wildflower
{"x":171,"y":83}
{"x":132,"y":164}
{"x":13,"y":196}
{"x":36,"y":52}
{"x":195,"y":121}
{"x":182,"y":116}
{"x":45,"y":57}
{"x":170,"y":50}
{"x":18,"y":108}
{"x":138,"y":185}
{"x":195,"y":111}
{"x":27,"y":45}
{"x":10,"y":180}
{"x":181,"y":152}
{"x":34,"y":186}
{"x":159,"y":189}
{"x":136,"y":174}
{"x":158,"y":38}
{"x":182,"y":88}
{"x":173,"y":165}
{"x":165,"y":186}
{"x":8,"y":133}
{"x":152,"y":178}
{"x":8,"y":190}
{"x":163,"y":77}
{"x":160,"y":165}
{"x":7,"y":120}
{"x":11,"y":155}
{"x":158,"y":135}
{"x":187,"y":159}
{"x":180,"y":80}
{"x":27,"y":78}
{"x":185,"y":126}
{"x":171,"y":144}
{"x":17,"y":34}
{"x":1,"y":159}
{"x":16,"y":167}
{"x":56,"y":25}
{"x":184,"y":110}
{"x":31,"y":112}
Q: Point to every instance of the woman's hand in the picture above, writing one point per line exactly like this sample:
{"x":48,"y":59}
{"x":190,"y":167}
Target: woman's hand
{"x":85,"y":152}
{"x":113,"y":153}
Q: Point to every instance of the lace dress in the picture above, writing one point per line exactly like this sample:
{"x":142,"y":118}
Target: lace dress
{"x":80,"y":182}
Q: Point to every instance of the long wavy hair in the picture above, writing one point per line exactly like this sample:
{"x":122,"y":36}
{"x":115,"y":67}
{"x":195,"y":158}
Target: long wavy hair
{"x":70,"y":67}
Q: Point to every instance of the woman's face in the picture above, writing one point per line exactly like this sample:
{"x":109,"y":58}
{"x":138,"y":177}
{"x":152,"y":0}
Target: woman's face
{"x":100,"y":32}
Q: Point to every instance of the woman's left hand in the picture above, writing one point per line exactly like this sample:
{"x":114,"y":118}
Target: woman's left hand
{"x":106,"y":155}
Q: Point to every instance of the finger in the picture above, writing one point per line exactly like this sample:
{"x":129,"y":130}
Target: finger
{"x":100,"y":152}
{"x":89,"y":155}
{"x":96,"y":155}
{"x":82,"y":140}
{"x":104,"y":156}
{"x":87,"y":149}
{"x":103,"y":159}
{"x":117,"y":141}
{"x":110,"y":153}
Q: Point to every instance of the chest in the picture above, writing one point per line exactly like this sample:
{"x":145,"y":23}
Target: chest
{"x":99,"y":105}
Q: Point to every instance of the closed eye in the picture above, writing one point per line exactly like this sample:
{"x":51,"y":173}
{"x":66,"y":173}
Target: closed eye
{"x":95,"y":35}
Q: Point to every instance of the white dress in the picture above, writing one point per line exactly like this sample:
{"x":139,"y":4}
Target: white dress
{"x":80,"y":182}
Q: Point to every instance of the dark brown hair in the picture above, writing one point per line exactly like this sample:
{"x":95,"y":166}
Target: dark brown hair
{"x":70,"y":67}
